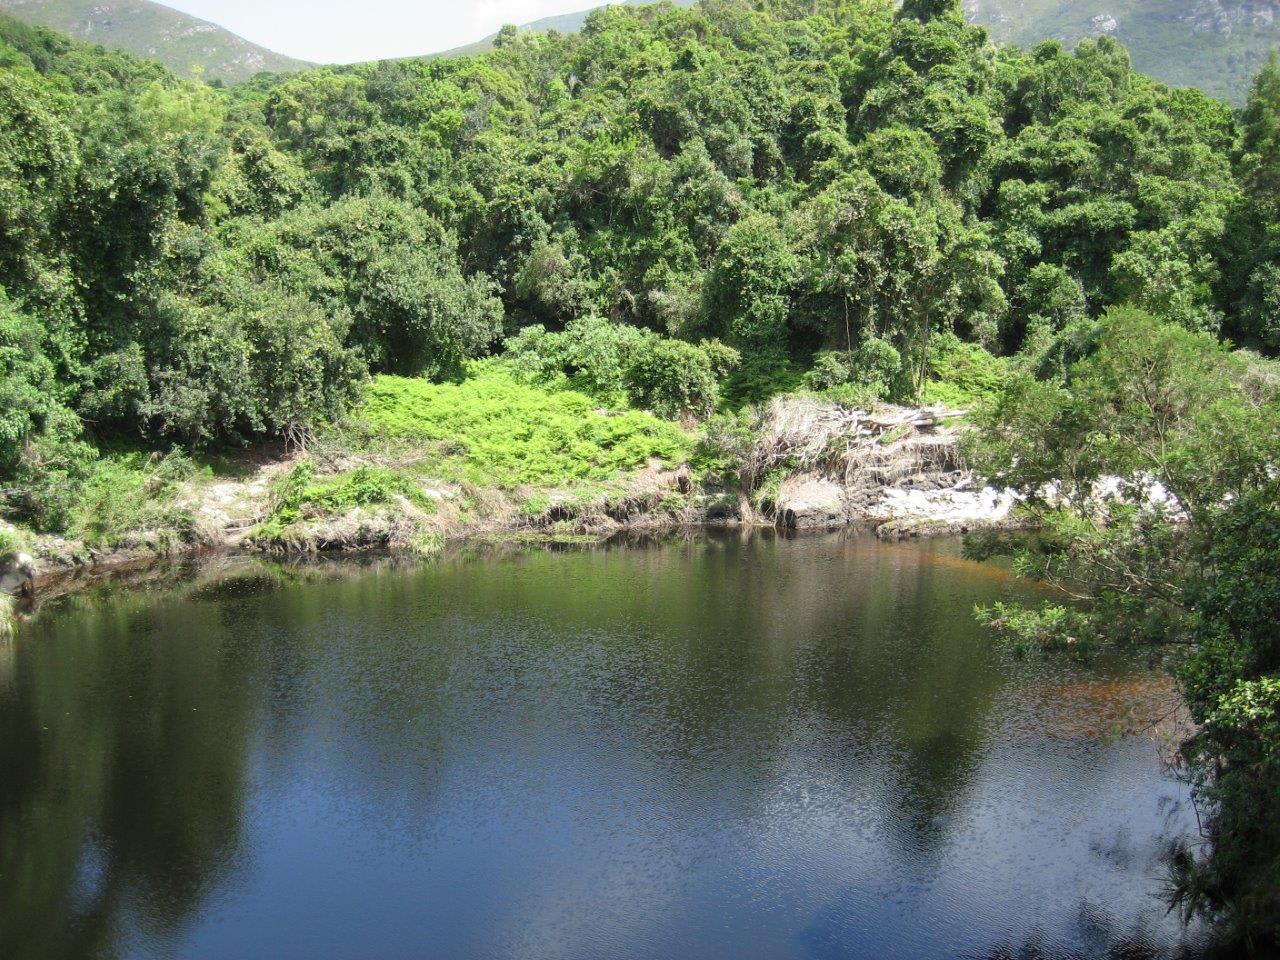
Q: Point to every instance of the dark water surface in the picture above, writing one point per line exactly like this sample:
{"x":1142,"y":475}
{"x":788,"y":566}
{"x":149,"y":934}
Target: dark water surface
{"x":723,"y":748}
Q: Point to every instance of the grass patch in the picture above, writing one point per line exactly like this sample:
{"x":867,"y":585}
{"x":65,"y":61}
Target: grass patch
{"x":492,"y":430}
{"x":131,"y":494}
{"x":426,"y":544}
{"x":301,"y":495}
{"x":12,"y":543}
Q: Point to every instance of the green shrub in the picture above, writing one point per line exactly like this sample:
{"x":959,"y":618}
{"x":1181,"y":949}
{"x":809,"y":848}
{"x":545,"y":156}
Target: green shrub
{"x":301,"y":494}
{"x":873,"y":372}
{"x":132,"y":494}
{"x":392,"y":269}
{"x":760,"y":377}
{"x":28,"y":391}
{"x":49,"y":479}
{"x":963,"y":375}
{"x":723,"y":445}
{"x":618,"y":364}
{"x":67,"y":488}
{"x":673,"y":378}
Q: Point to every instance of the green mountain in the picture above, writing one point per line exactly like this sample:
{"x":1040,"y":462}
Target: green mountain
{"x":183,"y":43}
{"x":1216,"y":45}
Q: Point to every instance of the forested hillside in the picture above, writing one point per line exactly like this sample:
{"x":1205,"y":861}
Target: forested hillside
{"x":784,"y":182}
{"x":679,"y":210}
{"x":186,"y":45}
{"x":191,"y":265}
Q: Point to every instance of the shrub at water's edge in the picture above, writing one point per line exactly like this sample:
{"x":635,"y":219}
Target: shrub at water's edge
{"x":1151,"y":462}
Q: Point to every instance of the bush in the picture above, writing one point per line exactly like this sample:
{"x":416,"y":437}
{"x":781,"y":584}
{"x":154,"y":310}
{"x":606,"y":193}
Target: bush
{"x":963,"y":375}
{"x":617,"y":363}
{"x":724,"y":444}
{"x":873,"y":372}
{"x":49,"y":478}
{"x":390,"y":268}
{"x":673,"y":379}
{"x":131,"y":494}
{"x":28,"y":392}
{"x":242,"y":360}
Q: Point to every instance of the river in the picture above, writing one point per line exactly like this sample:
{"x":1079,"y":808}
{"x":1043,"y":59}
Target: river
{"x":718,"y":747}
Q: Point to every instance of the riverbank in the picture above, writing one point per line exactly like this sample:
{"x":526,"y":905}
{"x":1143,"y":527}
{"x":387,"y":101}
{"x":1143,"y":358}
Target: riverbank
{"x":799,"y":463}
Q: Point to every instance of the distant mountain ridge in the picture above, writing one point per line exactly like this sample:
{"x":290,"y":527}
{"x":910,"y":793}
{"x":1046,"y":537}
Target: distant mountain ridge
{"x":563,"y":23}
{"x":1216,"y":45}
{"x":183,"y":43}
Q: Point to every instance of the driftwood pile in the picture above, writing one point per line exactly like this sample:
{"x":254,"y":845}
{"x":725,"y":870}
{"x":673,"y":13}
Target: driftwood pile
{"x":858,"y":449}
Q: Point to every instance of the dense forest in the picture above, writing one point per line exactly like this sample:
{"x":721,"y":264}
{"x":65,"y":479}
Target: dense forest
{"x":686,"y":211}
{"x":186,"y":264}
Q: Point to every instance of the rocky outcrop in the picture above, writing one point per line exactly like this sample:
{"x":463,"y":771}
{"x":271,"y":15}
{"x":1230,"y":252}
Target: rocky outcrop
{"x":17,"y":574}
{"x":1226,"y":18}
{"x":900,"y":470}
{"x":811,"y":502}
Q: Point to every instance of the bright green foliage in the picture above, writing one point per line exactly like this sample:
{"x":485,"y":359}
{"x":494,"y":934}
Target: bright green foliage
{"x":492,"y":428}
{"x":790,"y":178}
{"x":963,"y":376}
{"x":872,"y":372}
{"x":749,"y":283}
{"x":1149,"y":398}
{"x":759,"y":377}
{"x":591,"y":354}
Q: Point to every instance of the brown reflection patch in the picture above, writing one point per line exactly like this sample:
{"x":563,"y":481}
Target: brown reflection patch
{"x":1105,"y":708}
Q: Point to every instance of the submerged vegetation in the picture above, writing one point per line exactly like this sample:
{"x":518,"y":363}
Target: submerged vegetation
{"x":556,"y":264}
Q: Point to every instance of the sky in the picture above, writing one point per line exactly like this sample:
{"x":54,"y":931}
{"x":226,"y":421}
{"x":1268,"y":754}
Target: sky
{"x":343,"y":31}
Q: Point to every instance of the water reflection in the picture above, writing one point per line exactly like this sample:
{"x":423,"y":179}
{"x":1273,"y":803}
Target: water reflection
{"x":712,"y":747}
